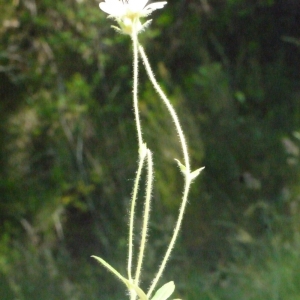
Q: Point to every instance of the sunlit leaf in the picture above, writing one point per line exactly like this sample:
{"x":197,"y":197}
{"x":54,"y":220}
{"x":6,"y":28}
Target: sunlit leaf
{"x":129,"y":284}
{"x":165,"y":291}
{"x":194,"y":174}
{"x":181,"y":166}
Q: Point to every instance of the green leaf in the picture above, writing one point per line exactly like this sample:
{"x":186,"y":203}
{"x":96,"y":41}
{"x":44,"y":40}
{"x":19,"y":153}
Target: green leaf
{"x":165,"y":291}
{"x":112,"y":270}
{"x":194,"y":174}
{"x":129,"y":284}
{"x":181,"y":166}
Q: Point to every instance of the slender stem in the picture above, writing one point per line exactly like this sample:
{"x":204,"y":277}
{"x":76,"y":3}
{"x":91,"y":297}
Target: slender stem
{"x":169,"y":107}
{"x":135,"y":87}
{"x":145,"y":217}
{"x":186,"y":163}
{"x":142,"y":155}
{"x":173,"y":239}
{"x":132,"y":213}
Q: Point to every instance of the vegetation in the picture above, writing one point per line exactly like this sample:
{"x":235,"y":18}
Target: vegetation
{"x":68,"y":144}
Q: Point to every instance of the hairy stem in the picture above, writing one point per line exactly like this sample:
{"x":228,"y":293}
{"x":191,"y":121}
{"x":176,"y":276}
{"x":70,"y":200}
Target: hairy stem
{"x":173,"y":239}
{"x":169,"y":107}
{"x":142,"y":155}
{"x":132,"y":213}
{"x":135,"y":87}
{"x":186,"y":163}
{"x":145,"y":217}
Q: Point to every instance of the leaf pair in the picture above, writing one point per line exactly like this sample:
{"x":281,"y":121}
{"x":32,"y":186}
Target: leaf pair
{"x":191,"y":175}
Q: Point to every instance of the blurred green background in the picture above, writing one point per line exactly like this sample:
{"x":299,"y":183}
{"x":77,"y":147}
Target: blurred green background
{"x":68,"y":150}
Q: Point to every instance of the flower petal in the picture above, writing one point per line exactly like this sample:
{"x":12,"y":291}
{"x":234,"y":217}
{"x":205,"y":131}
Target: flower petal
{"x":115,"y":8}
{"x":157,"y":5}
{"x":137,"y":5}
{"x":153,"y":6}
{"x":128,"y":12}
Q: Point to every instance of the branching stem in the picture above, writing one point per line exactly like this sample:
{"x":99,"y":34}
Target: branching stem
{"x":169,"y":107}
{"x":186,"y":163}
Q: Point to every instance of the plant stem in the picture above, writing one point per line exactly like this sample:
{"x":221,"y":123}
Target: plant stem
{"x":135,"y":87}
{"x":169,"y":107}
{"x":173,"y":239}
{"x":145,"y":217}
{"x":186,"y":163}
{"x":132,"y":213}
{"x":142,"y":155}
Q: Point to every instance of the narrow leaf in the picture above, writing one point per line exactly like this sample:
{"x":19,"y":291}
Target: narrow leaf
{"x":194,"y":174}
{"x":129,"y":285}
{"x":165,"y":291}
{"x":181,"y":166}
{"x":112,"y":270}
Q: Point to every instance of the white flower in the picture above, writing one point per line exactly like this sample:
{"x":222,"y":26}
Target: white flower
{"x":128,"y":13}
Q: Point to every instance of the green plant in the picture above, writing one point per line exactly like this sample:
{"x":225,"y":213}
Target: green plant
{"x":128,"y":13}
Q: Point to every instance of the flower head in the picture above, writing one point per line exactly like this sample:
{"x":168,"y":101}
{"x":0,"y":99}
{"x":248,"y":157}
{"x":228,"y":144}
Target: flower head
{"x":128,"y":13}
